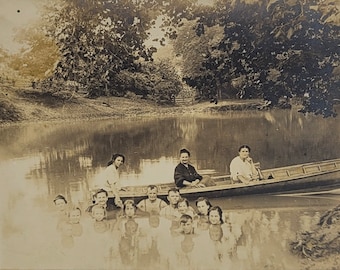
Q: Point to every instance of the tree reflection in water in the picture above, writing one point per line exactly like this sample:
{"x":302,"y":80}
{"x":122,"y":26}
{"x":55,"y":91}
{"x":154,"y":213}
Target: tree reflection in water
{"x":247,"y":240}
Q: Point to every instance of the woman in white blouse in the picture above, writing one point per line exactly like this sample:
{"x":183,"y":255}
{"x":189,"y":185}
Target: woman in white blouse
{"x":242,"y":167}
{"x":110,"y":180}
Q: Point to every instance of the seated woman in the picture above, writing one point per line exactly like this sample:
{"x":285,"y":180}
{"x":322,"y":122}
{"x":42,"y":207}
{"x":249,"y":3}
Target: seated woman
{"x":242,"y":167}
{"x":186,"y":175}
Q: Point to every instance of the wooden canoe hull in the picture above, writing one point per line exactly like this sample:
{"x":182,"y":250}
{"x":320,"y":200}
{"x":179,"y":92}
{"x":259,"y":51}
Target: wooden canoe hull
{"x":308,"y":177}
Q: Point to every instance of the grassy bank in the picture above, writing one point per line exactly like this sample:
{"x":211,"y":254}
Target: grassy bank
{"x":27,"y":105}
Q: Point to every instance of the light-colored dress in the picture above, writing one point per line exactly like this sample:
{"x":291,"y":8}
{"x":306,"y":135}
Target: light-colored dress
{"x":240,"y":167}
{"x":109,"y":178}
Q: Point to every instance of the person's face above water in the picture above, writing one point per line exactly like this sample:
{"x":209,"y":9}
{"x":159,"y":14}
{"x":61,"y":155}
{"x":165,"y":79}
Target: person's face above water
{"x":101,"y":198}
{"x":187,"y":227}
{"x":130,"y":210}
{"x":173,"y":197}
{"x":182,"y":207}
{"x":214,"y":217}
{"x":202,"y":207}
{"x":152,"y":194}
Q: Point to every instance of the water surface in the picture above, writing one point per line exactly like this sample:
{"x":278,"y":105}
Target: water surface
{"x":39,"y":161}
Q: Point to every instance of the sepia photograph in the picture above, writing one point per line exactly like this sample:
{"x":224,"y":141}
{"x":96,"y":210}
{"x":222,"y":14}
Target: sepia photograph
{"x":170,"y":134}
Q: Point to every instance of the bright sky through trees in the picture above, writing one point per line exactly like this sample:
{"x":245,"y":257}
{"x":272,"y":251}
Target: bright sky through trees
{"x":15,"y":14}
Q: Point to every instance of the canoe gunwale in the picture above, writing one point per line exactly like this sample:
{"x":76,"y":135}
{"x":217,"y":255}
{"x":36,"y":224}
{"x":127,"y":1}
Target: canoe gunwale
{"x":319,"y":178}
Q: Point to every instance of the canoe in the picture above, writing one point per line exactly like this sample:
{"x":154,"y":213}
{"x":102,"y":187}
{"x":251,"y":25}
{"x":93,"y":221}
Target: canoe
{"x":308,"y":177}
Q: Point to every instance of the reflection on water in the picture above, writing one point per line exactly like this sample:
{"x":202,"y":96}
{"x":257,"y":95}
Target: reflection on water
{"x":41,"y":160}
{"x":249,"y":239}
{"x":78,"y":152}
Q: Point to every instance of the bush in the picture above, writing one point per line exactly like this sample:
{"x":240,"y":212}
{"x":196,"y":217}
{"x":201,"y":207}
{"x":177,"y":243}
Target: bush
{"x":8,"y":112}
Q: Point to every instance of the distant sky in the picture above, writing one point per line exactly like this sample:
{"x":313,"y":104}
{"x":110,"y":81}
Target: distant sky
{"x":15,"y":14}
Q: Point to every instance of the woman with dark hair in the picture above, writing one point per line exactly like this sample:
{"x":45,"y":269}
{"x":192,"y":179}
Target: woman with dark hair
{"x":186,"y":175}
{"x":203,"y":205}
{"x":110,"y":180}
{"x":242,"y":168}
{"x":215,"y":215}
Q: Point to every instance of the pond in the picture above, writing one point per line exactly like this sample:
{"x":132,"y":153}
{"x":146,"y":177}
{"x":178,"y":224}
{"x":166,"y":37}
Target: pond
{"x":39,"y":161}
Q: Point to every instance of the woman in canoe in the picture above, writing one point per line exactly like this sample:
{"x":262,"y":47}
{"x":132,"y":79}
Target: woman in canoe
{"x":242,"y":168}
{"x":186,"y":175}
{"x":110,"y":179}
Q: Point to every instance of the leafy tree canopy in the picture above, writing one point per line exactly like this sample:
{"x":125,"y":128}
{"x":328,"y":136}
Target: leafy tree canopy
{"x":272,"y":48}
{"x":279,"y":48}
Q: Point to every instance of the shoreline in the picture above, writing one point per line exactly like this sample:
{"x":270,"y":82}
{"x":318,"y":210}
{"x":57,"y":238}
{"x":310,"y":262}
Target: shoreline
{"x":27,"y":106}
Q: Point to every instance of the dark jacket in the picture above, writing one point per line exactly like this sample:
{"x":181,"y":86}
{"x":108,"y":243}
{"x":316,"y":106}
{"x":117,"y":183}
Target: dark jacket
{"x":183,"y":173}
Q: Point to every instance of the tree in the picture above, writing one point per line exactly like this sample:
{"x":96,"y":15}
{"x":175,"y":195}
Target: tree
{"x":157,"y":81}
{"x":99,"y":39}
{"x":38,"y":58}
{"x":280,"y":48}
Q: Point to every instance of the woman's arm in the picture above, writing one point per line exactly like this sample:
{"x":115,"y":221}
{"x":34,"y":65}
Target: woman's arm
{"x":254,"y":172}
{"x":112,"y":178}
{"x":115,"y":192}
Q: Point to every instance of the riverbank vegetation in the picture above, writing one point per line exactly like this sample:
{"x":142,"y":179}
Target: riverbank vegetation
{"x":27,"y":105}
{"x":221,"y":49}
{"x":321,"y":245}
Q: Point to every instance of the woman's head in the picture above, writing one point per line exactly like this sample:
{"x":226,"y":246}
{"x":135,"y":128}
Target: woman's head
{"x":184,"y":156}
{"x":215,"y":215}
{"x":117,"y":160}
{"x":203,"y":205}
{"x":129,"y":208}
{"x":244,"y":151}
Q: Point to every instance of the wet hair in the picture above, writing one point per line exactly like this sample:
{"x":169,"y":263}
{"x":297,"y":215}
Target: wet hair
{"x":60,"y":197}
{"x":244,"y":146}
{"x":101,"y":191}
{"x":183,"y":200}
{"x":219,"y":211}
{"x":129,"y":202}
{"x":174,"y":189}
{"x":184,"y":151}
{"x":203,"y":199}
{"x":114,"y":157}
{"x":152,"y":187}
{"x":185,"y":218}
